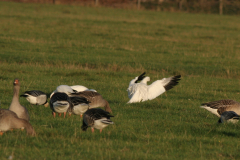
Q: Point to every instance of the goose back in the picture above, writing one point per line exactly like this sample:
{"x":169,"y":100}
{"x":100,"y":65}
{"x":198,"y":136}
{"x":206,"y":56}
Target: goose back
{"x":95,"y":99}
{"x":35,"y":97}
{"x":96,"y":115}
{"x":60,"y":103}
{"x":220,"y":106}
{"x":9,"y":120}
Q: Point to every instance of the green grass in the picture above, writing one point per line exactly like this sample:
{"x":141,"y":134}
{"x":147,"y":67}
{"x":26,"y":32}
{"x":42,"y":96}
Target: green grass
{"x":103,"y":48}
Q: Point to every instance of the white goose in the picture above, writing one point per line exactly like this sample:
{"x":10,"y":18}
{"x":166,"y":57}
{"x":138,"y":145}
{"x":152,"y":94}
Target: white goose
{"x":218,"y":107}
{"x":229,"y":116}
{"x":9,"y":120}
{"x":65,"y":89}
{"x":80,"y":105}
{"x":60,"y":103}
{"x":96,"y":118}
{"x":80,"y":88}
{"x":36,"y":97}
{"x":139,"y":92}
{"x":15,"y":106}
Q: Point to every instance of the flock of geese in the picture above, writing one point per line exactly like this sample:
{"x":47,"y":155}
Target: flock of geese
{"x":79,"y":100}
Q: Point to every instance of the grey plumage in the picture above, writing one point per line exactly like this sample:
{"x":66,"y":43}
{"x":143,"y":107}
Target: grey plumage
{"x":15,"y":106}
{"x":95,"y":98}
{"x":229,"y":116}
{"x":9,"y":120}
{"x":36,"y":97}
{"x":60,"y":103}
{"x":220,"y":106}
{"x":80,"y":105}
{"x":96,"y":118}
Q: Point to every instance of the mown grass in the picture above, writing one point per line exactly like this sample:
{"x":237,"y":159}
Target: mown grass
{"x":102,"y":48}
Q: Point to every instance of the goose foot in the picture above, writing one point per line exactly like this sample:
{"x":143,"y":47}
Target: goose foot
{"x":59,"y":114}
{"x":92,"y":130}
{"x":1,"y":133}
{"x":54,"y":114}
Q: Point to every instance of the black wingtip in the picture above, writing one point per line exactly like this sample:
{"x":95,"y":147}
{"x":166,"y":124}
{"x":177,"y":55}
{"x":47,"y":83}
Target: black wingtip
{"x":173,"y":82}
{"x":23,"y":95}
{"x":141,"y":77}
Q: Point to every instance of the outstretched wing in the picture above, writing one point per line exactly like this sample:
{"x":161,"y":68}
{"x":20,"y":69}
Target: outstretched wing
{"x":160,"y":86}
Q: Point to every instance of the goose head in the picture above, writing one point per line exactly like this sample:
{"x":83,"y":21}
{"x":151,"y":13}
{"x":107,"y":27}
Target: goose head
{"x":145,"y":80}
{"x":16,"y":82}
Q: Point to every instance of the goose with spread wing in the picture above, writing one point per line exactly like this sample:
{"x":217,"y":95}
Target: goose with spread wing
{"x":139,"y":92}
{"x":36,"y":97}
{"x":96,"y":118}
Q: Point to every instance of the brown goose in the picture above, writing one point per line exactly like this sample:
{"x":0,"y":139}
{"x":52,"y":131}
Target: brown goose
{"x":96,"y":118}
{"x":95,"y":98}
{"x":15,"y":106}
{"x":9,"y":120}
{"x":218,"y":107}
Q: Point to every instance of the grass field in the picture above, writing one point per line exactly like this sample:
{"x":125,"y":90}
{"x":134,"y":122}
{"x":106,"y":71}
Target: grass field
{"x":104,"y":48}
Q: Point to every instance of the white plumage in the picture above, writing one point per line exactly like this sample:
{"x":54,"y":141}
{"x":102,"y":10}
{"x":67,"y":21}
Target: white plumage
{"x":36,"y":97}
{"x":71,"y":89}
{"x":80,"y":105}
{"x":80,"y":88}
{"x":63,"y":88}
{"x":138,"y":92}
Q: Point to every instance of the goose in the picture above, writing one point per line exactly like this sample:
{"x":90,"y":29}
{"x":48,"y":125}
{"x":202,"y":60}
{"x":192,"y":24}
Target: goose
{"x":95,"y":98}
{"x":96,"y":118}
{"x":9,"y":120}
{"x":139,"y":92}
{"x":60,"y":103}
{"x":229,"y":116}
{"x":80,"y":88}
{"x":65,"y":89}
{"x":220,"y":106}
{"x":80,"y":105}
{"x":36,"y":97}
{"x":15,"y":106}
